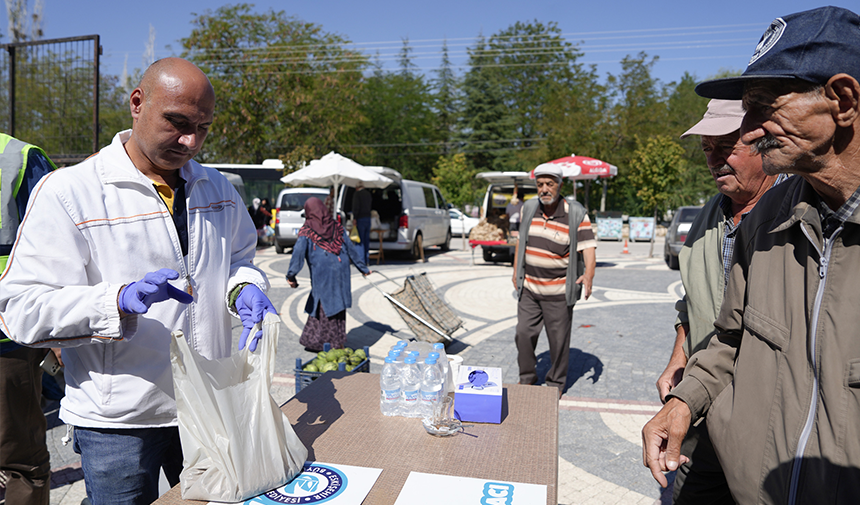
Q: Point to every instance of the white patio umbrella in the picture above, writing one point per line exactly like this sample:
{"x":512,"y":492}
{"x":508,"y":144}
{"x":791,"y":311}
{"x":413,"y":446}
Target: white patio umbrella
{"x":335,"y":170}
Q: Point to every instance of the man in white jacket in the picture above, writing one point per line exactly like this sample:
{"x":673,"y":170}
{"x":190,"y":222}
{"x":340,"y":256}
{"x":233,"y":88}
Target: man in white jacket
{"x":117,"y":252}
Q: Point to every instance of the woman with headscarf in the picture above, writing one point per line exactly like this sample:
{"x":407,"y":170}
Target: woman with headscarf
{"x":328,"y":250}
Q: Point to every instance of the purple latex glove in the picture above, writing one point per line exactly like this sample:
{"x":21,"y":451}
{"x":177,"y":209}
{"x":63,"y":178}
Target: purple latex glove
{"x":252,"y":305}
{"x":137,"y":297}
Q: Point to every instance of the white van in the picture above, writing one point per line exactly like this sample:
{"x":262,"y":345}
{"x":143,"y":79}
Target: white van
{"x":412,"y":215}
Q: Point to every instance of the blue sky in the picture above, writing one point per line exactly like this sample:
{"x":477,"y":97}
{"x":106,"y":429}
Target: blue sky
{"x":699,"y":37}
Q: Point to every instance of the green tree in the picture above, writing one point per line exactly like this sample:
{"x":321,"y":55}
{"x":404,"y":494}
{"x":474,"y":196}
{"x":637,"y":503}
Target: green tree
{"x":446,"y":101}
{"x":54,"y":106}
{"x":655,"y":171}
{"x":281,"y":83}
{"x":531,"y":60}
{"x":456,"y":179}
{"x":657,"y":165}
{"x":684,"y":108}
{"x":637,"y":111}
{"x":486,"y":125}
{"x":400,"y":131}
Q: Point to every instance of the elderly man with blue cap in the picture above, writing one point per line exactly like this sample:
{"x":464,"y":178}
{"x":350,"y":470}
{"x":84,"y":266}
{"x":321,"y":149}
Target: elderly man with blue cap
{"x":779,"y":384}
{"x":554,"y":264}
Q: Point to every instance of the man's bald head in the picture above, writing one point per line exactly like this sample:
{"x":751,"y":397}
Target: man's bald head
{"x":172,"y":110}
{"x":168,"y":71}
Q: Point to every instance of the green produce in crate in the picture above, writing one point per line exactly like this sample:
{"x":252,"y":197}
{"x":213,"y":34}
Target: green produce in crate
{"x":310,"y":367}
{"x":360,"y":353}
{"x":328,"y":367}
{"x":350,"y":368}
{"x":355,"y":360}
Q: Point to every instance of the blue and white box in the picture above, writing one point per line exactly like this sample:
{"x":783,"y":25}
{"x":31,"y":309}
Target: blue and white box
{"x":478,"y":394}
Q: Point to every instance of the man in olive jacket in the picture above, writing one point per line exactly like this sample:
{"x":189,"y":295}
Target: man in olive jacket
{"x":704,"y":263}
{"x":780,"y":383}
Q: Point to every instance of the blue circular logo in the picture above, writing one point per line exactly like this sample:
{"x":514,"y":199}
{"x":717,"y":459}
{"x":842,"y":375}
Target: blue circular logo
{"x":316,"y":484}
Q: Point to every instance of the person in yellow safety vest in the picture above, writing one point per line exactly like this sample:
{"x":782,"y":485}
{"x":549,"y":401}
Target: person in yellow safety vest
{"x":24,"y":457}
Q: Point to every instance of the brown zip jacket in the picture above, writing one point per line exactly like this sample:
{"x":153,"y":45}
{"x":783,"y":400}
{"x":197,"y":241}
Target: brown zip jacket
{"x":780,"y":382}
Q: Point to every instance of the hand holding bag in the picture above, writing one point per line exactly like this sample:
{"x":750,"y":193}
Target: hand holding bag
{"x":236,"y":442}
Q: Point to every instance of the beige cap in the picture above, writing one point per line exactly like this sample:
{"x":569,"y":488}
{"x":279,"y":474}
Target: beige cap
{"x":721,"y":118}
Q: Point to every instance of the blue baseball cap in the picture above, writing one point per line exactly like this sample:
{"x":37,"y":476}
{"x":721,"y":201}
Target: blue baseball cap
{"x":812,"y":45}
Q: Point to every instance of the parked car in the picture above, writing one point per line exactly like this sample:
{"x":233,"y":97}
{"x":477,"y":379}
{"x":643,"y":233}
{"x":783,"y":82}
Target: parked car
{"x":461,"y":223}
{"x":291,"y":214}
{"x":677,"y":234}
{"x":412,"y":215}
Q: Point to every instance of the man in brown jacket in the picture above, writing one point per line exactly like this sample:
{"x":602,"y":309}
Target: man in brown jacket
{"x":780,"y":383}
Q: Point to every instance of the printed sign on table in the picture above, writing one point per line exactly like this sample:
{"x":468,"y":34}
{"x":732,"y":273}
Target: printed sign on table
{"x":431,"y":489}
{"x":322,"y":483}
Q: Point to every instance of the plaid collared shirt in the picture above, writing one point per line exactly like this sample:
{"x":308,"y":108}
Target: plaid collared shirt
{"x":730,"y":230}
{"x":831,"y":221}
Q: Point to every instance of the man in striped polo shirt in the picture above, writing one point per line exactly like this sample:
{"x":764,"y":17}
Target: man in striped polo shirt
{"x":549,"y":284}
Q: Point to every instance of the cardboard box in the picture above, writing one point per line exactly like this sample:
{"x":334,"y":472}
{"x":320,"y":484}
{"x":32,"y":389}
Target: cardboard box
{"x":478,"y":403}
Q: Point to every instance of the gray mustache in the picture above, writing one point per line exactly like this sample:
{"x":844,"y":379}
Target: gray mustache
{"x":766,"y":142}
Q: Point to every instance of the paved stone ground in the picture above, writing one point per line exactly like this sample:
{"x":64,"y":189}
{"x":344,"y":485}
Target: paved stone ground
{"x":619,"y":345}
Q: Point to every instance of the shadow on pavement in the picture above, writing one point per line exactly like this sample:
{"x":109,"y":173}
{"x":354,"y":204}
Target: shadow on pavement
{"x":579,"y":364}
{"x":367,"y":334}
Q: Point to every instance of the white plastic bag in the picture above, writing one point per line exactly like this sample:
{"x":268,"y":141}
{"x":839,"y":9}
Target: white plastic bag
{"x":236,"y":442}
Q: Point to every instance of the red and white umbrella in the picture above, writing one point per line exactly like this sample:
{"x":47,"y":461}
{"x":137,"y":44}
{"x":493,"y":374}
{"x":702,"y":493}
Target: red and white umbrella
{"x":579,"y":168}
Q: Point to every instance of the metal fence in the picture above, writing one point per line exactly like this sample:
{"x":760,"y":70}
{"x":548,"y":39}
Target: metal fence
{"x":49,"y":93}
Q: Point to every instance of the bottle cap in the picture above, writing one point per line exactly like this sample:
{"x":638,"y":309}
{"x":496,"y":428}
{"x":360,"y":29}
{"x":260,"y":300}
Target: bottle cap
{"x":394,"y":352}
{"x":389,"y":359}
{"x":410,"y":360}
{"x":433,"y":355}
{"x":430,"y":361}
{"x":438,"y":345}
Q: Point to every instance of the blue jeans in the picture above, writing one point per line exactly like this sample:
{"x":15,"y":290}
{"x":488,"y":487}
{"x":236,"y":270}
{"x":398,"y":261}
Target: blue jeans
{"x":363,"y":224}
{"x":121,"y":465}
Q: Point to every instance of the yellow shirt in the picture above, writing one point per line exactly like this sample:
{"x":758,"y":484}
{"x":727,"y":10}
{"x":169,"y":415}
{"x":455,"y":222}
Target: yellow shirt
{"x":166,"y":193}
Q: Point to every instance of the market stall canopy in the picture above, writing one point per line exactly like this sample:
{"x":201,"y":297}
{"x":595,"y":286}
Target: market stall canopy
{"x":336,"y":170}
{"x":579,"y":168}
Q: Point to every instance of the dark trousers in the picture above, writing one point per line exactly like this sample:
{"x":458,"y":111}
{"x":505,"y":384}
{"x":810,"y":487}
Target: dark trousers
{"x":24,"y":453}
{"x":363,"y":224}
{"x":701,"y":480}
{"x":557,"y":318}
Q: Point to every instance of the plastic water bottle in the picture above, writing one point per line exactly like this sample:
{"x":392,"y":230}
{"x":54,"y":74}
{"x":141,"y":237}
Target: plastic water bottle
{"x":432,"y":384}
{"x":389,"y":386}
{"x":446,"y":368}
{"x":398,"y":357}
{"x":423,"y":349}
{"x":418,"y":361}
{"x":410,"y":380}
{"x":435,"y":355}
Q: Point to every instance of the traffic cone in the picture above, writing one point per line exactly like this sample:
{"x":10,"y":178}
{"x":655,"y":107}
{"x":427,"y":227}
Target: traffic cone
{"x":625,"y":251}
